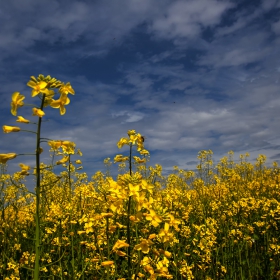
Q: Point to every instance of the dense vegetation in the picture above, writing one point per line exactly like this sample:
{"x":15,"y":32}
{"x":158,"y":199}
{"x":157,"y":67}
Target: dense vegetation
{"x":220,"y":222}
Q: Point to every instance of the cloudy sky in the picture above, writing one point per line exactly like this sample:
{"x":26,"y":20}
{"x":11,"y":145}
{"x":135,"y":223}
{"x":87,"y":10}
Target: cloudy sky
{"x":190,"y":75}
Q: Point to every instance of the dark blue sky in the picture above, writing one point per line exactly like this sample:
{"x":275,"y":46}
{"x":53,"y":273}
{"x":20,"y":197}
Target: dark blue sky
{"x":130,"y":60}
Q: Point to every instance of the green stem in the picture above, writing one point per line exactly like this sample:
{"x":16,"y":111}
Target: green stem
{"x":38,"y":194}
{"x":128,"y":220}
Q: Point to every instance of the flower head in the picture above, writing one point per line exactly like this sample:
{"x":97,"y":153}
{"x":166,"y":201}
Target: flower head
{"x":68,"y":147}
{"x":38,"y":87}
{"x":107,"y":263}
{"x":123,"y":141}
{"x":144,"y":246}
{"x":60,"y":103}
{"x":5,"y":157}
{"x":38,"y":112}
{"x":55,"y":144}
{"x":66,"y":88}
{"x":8,"y":129}
{"x":22,"y":120}
{"x":63,"y":160}
{"x":24,"y":167}
{"x":17,"y":101}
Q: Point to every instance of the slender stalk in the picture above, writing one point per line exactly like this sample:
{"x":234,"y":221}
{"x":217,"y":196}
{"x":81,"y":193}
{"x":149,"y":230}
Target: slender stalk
{"x":128,"y":220}
{"x":38,"y":194}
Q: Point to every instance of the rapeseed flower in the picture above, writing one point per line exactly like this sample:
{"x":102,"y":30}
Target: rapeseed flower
{"x":22,"y":120}
{"x":60,"y":103}
{"x":8,"y":129}
{"x":119,"y":244}
{"x":63,"y":160}
{"x":144,"y":246}
{"x":68,"y":147}
{"x":38,"y":87}
{"x":107,"y":263}
{"x":38,"y":112}
{"x":17,"y":101}
{"x":5,"y":157}
{"x":66,"y":88}
{"x":153,"y":218}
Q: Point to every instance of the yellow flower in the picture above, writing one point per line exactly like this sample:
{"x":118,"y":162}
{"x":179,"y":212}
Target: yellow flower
{"x":24,"y":167}
{"x":78,"y":161}
{"x":120,"y":158}
{"x":66,"y":88}
{"x":63,"y":160}
{"x":17,"y":101}
{"x":79,"y":152}
{"x":5,"y":157}
{"x":165,"y":234}
{"x":133,"y":139}
{"x":24,"y":172}
{"x":107,"y":263}
{"x":121,"y":254}
{"x":68,"y":147}
{"x":55,"y":144}
{"x":38,"y":87}
{"x":144,"y":246}
{"x":22,"y":120}
{"x":123,"y":141}
{"x":153,"y":217}
{"x":131,"y":132}
{"x":133,"y":189}
{"x":60,"y":103}
{"x":119,"y":244}
{"x":139,"y":160}
{"x":38,"y":112}
{"x":144,"y":152}
{"x":8,"y":129}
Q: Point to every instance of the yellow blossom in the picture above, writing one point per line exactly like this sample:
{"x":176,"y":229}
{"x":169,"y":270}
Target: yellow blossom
{"x":60,"y":103}
{"x":119,"y":244}
{"x":24,"y":167}
{"x":144,"y":152}
{"x":153,"y":217}
{"x":37,"y":87}
{"x":55,"y":144}
{"x":8,"y":129}
{"x":22,"y":120}
{"x":133,"y":189}
{"x":66,"y":88}
{"x":131,"y":132}
{"x":144,"y":246}
{"x":68,"y":147}
{"x":107,"y":263}
{"x":17,"y":101}
{"x":120,"y":158}
{"x":38,"y":112}
{"x":5,"y":157}
{"x":63,"y":160}
{"x":123,"y":141}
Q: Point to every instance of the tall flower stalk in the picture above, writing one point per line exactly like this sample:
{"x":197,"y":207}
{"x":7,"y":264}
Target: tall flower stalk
{"x":132,"y":139}
{"x":42,"y":87}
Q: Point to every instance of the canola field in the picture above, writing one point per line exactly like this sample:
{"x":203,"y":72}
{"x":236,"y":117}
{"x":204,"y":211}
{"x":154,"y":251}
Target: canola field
{"x":218,"y":222}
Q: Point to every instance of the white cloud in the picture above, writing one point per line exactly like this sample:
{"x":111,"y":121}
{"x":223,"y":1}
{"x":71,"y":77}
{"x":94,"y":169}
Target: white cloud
{"x":188,"y":18}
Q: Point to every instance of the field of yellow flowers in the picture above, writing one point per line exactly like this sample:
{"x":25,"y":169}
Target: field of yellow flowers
{"x":219,"y":222}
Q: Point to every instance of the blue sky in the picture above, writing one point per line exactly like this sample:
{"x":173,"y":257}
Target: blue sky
{"x":189,"y":75}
